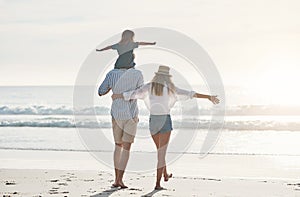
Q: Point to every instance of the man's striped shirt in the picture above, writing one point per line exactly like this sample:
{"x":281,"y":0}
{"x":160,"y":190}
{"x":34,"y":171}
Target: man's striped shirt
{"x":119,"y":81}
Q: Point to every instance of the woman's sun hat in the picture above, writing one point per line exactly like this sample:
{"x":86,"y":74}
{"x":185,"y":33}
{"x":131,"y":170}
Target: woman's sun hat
{"x":163,"y":70}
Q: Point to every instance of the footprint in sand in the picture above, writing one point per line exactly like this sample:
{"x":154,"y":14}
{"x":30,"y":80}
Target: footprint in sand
{"x":63,"y":184}
{"x":294,"y":184}
{"x":87,"y":180}
{"x":10,"y":183}
{"x":210,"y":179}
{"x":91,"y":191}
{"x":8,"y":195}
{"x":135,"y":189}
{"x":53,"y":191}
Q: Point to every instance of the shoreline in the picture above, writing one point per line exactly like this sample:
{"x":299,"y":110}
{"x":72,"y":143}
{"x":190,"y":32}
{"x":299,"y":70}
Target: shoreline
{"x":224,"y":166}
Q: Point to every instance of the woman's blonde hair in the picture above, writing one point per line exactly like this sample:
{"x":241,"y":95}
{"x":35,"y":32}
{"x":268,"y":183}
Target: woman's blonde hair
{"x":127,"y":36}
{"x":159,"y":81}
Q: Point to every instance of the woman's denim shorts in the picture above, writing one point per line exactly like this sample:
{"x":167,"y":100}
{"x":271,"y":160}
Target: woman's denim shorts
{"x":160,"y":124}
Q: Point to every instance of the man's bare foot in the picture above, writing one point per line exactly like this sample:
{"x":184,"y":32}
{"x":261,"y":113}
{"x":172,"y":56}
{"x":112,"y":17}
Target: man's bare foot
{"x":167,"y":176}
{"x":158,"y":187}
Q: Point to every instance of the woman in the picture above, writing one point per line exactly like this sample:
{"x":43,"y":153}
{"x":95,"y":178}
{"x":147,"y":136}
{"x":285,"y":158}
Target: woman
{"x":160,"y":95}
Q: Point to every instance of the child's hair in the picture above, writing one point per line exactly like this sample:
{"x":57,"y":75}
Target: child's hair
{"x":127,"y":36}
{"x":159,"y":81}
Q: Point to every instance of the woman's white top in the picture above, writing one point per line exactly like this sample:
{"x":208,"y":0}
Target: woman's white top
{"x":158,"y":105}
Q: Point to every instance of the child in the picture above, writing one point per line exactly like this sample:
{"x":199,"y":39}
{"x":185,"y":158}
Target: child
{"x":125,"y":50}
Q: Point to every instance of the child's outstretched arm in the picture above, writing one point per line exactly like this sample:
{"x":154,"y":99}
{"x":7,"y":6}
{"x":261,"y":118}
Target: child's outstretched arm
{"x":147,"y":43}
{"x":105,"y":48}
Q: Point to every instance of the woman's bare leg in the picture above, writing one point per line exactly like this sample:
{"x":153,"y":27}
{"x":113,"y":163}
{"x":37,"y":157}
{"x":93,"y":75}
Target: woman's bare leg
{"x":155,"y":138}
{"x":161,"y":156}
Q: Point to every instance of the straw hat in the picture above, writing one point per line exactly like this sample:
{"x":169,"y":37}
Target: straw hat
{"x":163,"y":70}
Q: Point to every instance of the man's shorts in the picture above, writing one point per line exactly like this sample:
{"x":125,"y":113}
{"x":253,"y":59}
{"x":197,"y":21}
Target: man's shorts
{"x":124,"y":130}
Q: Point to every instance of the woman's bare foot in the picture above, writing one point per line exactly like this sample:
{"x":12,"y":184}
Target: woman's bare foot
{"x":167,"y":176}
{"x":115,"y":185}
{"x":122,"y":185}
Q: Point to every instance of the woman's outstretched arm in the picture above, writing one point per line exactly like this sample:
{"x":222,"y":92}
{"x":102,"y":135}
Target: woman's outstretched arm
{"x":213,"y":99}
{"x":139,"y":93}
{"x":105,"y":48}
{"x":191,"y":94}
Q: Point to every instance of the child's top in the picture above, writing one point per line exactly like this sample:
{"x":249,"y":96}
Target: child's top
{"x":126,"y":56}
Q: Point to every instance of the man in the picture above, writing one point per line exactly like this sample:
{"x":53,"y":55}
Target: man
{"x":124,"y":116}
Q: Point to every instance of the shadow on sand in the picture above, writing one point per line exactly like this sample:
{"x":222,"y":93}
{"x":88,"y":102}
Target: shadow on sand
{"x":152,"y":193}
{"x":106,"y":193}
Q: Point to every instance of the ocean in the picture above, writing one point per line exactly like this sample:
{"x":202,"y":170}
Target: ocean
{"x":41,"y":118}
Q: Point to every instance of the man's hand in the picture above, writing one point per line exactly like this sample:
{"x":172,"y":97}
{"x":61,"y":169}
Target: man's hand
{"x":116,"y":96}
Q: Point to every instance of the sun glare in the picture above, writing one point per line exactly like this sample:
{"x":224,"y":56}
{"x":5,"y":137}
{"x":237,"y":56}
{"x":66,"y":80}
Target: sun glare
{"x":278,"y":83}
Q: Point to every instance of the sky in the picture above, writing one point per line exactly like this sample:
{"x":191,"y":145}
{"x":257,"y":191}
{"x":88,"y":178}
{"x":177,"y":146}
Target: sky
{"x":254,"y":44}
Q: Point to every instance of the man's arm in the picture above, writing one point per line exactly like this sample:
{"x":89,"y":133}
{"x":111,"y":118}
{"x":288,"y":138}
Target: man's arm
{"x":102,"y":94}
{"x":105,"y":87}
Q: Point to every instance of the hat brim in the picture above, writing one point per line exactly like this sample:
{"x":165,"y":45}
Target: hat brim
{"x":159,"y":73}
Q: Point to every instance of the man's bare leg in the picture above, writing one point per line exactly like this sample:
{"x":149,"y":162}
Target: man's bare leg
{"x":123,"y":163}
{"x":117,"y":154}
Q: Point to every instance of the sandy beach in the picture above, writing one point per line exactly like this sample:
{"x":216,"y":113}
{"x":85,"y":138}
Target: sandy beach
{"x":50,"y":173}
{"x":97,"y":183}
